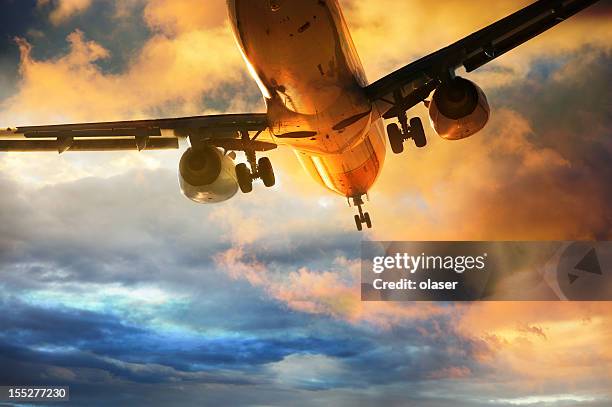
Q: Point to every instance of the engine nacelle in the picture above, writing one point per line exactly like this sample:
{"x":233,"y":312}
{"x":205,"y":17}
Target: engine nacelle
{"x":458,"y":109}
{"x":207,"y":176}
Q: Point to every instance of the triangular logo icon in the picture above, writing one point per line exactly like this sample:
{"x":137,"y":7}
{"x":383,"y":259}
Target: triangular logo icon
{"x":572,"y":277}
{"x":589,"y":263}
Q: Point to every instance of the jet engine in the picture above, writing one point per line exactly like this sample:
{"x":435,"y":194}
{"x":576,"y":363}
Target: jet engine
{"x":206,"y":175}
{"x":459,"y":109}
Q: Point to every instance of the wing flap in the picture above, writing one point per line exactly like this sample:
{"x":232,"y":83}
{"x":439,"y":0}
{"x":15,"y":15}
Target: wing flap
{"x":112,"y":144}
{"x":225,"y":131}
{"x":246,"y":121}
{"x":96,"y":133}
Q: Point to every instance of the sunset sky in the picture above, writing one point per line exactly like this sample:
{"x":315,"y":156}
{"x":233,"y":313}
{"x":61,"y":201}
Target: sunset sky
{"x":113,"y":283}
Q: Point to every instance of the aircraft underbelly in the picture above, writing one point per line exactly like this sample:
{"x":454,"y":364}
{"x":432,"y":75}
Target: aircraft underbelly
{"x":298,"y":52}
{"x":303,"y":59}
{"x":353,"y":172}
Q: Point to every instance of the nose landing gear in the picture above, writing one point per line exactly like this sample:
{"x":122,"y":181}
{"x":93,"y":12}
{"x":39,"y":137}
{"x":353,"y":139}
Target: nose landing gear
{"x":362,"y":217}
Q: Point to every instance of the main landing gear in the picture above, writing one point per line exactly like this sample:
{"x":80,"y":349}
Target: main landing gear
{"x":362,"y":217}
{"x":261,"y":169}
{"x":413,"y":131}
{"x":257,"y":169}
{"x":405,"y":130}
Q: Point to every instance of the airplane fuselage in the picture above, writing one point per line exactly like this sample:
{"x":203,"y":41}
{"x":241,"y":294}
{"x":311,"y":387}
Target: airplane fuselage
{"x":303,"y":59}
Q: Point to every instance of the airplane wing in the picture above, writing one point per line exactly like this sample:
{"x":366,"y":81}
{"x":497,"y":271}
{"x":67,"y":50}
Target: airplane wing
{"x":229,"y":131}
{"x":412,"y":84}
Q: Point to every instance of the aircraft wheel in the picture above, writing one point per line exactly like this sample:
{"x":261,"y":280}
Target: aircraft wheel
{"x":396,"y":139}
{"x":266,"y":172}
{"x":358,"y":223}
{"x":417,"y":132}
{"x":245,"y":180}
{"x":367,"y":220}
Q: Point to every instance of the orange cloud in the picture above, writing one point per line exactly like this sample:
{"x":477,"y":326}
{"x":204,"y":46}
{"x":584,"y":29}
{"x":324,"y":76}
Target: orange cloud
{"x":500,"y":184}
{"x":179,"y":16}
{"x":538,"y":344}
{"x":543,"y":342}
{"x":166,"y":72}
{"x":173,"y":72}
{"x":388,"y":40}
{"x":463,"y":190}
{"x":334,"y":292}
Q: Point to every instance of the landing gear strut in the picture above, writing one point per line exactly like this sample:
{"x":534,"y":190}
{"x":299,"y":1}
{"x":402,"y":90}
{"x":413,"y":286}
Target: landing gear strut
{"x":362,"y":217}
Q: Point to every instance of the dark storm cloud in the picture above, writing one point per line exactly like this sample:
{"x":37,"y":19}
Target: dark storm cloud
{"x":569,"y":105}
{"x":566,"y":95}
{"x":59,"y":327}
{"x":86,"y":349}
{"x":539,"y":170}
{"x":82,"y":339}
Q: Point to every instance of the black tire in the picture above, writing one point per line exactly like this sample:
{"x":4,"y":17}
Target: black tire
{"x":358,"y":223}
{"x":417,"y":132}
{"x":266,"y":172}
{"x":244,"y":178}
{"x":367,"y":220}
{"x":396,"y":139}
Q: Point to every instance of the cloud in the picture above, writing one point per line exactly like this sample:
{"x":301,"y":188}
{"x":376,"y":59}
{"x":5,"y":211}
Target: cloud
{"x":115,"y":282}
{"x":72,"y":339}
{"x":178,"y":16}
{"x":167,"y":72}
{"x":333,"y":292}
{"x":559,"y":346}
{"x":498,"y":336}
{"x":174,"y":71}
{"x":65,"y":9}
{"x":451,"y":372}
{"x":307,"y":371}
{"x":419,"y":27}
{"x":537,"y":171}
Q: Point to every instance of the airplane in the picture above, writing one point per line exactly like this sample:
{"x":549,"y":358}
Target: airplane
{"x":319,"y":103}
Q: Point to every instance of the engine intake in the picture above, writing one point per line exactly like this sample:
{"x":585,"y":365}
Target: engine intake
{"x":200,"y":167}
{"x":459,"y":109}
{"x":207,"y":176}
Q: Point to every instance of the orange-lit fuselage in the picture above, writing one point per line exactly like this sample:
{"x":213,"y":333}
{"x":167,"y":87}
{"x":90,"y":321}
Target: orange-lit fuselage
{"x":304,"y":61}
